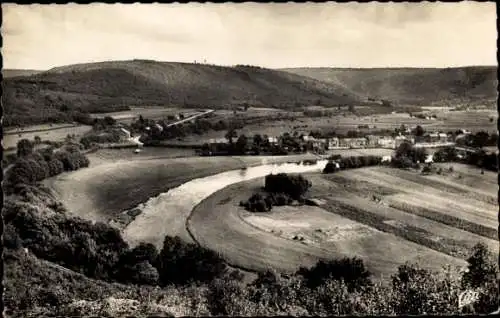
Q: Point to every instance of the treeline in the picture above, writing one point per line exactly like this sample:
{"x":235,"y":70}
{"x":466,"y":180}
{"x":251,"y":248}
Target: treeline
{"x":31,"y":167}
{"x":479,"y":159}
{"x":351,"y":162}
{"x":282,"y":189}
{"x":408,"y":156}
{"x":345,"y":287}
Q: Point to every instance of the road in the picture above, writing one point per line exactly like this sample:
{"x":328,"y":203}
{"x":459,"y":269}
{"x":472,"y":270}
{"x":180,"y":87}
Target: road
{"x":190,"y":118}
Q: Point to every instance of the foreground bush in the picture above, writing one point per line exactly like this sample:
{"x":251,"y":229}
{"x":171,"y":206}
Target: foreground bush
{"x":350,"y":270}
{"x":181,"y":263}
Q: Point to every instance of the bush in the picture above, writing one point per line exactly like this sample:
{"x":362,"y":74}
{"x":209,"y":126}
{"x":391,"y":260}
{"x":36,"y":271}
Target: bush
{"x":181,"y":263}
{"x":418,"y":291}
{"x":24,"y":148}
{"x":351,"y":270}
{"x":294,"y":186}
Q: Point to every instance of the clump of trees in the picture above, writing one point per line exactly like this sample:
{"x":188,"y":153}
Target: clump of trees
{"x":408,"y":156}
{"x":31,"y":167}
{"x":264,"y":202}
{"x":282,"y":189}
{"x":293,"y":185}
{"x":351,"y":270}
{"x":447,"y":154}
{"x":99,"y":137}
{"x":351,"y":162}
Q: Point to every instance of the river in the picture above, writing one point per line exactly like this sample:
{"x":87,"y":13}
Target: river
{"x":167,"y":213}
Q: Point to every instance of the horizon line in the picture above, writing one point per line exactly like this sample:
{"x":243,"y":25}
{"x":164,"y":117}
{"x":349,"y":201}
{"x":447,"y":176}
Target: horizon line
{"x":271,"y":68}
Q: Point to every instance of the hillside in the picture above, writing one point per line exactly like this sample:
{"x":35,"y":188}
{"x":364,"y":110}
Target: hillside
{"x":414,"y":86}
{"x":7,"y":73}
{"x":112,"y":86}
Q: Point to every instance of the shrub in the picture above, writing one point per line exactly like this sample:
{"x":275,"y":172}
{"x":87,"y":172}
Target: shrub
{"x":24,"y":148}
{"x":418,"y":291}
{"x":351,"y":270}
{"x":181,"y":263}
{"x":294,"y":186}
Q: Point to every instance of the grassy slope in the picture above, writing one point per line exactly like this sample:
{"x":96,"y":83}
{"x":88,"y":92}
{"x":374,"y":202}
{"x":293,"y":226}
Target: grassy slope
{"x":112,"y":86}
{"x":412,"y":85}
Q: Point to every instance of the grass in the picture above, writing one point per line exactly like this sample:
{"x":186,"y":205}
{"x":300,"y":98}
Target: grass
{"x":45,"y":132}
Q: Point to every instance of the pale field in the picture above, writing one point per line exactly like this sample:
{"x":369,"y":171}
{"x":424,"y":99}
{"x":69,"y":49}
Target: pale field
{"x":265,"y":240}
{"x":156,"y":113}
{"x":45,"y":133}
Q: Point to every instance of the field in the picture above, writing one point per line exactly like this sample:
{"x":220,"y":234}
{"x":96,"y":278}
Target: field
{"x":45,"y":132}
{"x":153,"y":112}
{"x":432,"y":220}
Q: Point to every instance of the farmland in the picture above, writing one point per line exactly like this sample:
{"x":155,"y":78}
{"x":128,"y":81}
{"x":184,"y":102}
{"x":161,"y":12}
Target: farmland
{"x":53,"y":132}
{"x":419,"y":218}
{"x":152,"y":112}
{"x":269,"y":123}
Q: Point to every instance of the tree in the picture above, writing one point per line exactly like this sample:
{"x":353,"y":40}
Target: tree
{"x":482,"y":267}
{"x":419,"y":131}
{"x":351,"y":270}
{"x":230,"y":135}
{"x":257,"y":140}
{"x":38,"y":140}
{"x":480,"y":139}
{"x":24,"y":148}
{"x":109,"y":121}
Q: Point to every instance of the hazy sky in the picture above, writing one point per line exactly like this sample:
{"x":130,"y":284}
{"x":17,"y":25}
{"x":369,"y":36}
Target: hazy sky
{"x":269,"y":35}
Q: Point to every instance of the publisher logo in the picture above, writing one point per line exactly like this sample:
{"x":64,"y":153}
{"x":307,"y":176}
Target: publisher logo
{"x":467,"y":297}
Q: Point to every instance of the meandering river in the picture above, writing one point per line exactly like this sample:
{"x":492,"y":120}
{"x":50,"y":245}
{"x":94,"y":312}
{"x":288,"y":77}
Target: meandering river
{"x":167,"y":213}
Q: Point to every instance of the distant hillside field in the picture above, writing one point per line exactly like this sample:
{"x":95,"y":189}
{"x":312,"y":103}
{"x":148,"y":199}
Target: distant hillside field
{"x":415,"y":86}
{"x":7,"y":73}
{"x":114,"y":86}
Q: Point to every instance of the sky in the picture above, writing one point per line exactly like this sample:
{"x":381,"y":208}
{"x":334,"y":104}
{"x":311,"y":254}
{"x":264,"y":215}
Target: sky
{"x":267,"y":35}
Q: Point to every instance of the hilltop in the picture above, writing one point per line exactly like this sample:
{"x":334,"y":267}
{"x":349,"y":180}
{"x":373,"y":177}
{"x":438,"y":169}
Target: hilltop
{"x":413,"y":86}
{"x":113,"y":86}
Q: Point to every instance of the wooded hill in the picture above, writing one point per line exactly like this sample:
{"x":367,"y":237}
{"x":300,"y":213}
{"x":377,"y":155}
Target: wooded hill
{"x":114,"y":86}
{"x":413,"y":86}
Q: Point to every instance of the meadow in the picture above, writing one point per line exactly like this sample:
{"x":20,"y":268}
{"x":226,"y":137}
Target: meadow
{"x":53,"y":132}
{"x":418,"y":219}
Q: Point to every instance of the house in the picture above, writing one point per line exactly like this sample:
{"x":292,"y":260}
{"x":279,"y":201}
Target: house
{"x":272,"y":140}
{"x":124,"y":134}
{"x":387,"y":142}
{"x":432,"y":137}
{"x":316,"y":144}
{"x":217,"y":141}
{"x":442,"y":137}
{"x":353,"y":142}
{"x":372,"y":140}
{"x":332,"y":143}
{"x":308,"y":138}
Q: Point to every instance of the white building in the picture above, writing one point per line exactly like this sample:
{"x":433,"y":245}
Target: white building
{"x":333,"y":143}
{"x":272,"y":140}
